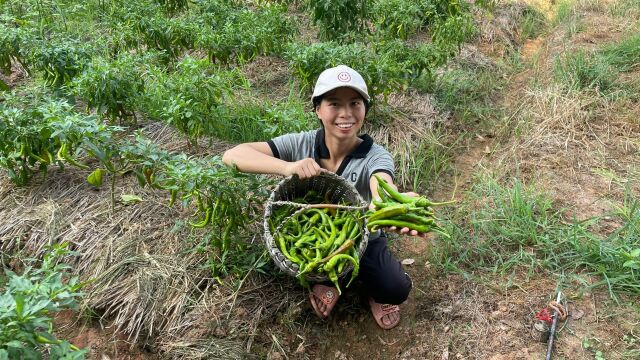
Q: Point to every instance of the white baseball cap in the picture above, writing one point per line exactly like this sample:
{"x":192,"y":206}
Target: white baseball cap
{"x":340,"y":76}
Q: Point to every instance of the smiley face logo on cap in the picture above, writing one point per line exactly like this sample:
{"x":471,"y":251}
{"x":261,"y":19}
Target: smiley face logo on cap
{"x":344,"y":76}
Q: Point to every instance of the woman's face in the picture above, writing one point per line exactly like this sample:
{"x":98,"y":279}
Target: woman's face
{"x":342,"y":112}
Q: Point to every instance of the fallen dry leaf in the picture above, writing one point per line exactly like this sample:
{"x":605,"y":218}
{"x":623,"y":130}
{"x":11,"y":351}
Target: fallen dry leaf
{"x":408,"y":262}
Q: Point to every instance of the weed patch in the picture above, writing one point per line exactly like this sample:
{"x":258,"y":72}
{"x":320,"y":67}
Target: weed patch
{"x":533,"y":24}
{"x":580,"y":70}
{"x":465,"y":91}
{"x":624,"y":55}
{"x":421,"y":164}
{"x":513,"y":227}
{"x":600,"y":70}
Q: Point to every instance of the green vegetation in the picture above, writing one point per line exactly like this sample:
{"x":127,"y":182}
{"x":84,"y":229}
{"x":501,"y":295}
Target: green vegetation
{"x":112,"y":88}
{"x":623,"y":55}
{"x":512,"y":227}
{"x":580,"y":70}
{"x":245,"y":34}
{"x":338,"y":19}
{"x":256,"y":120}
{"x":564,"y":10}
{"x":467,"y":90}
{"x":37,"y":132}
{"x":27,"y":304}
{"x":421,"y":165}
{"x":533,"y":24}
{"x":191,"y":97}
{"x":599,"y":70}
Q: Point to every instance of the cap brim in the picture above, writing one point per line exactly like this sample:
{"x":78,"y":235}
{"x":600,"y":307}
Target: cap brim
{"x":362,"y":93}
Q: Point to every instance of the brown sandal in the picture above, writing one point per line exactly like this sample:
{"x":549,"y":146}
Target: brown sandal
{"x":327,"y":295}
{"x":380,"y":312}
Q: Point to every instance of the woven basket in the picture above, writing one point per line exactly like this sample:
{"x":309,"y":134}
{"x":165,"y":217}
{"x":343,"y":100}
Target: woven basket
{"x":293,"y":187}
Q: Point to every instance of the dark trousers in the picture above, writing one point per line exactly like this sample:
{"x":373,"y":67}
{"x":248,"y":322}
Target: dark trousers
{"x":382,"y":276}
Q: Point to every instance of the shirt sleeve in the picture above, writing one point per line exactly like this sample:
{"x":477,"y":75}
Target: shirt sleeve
{"x":381,"y":162}
{"x":284,"y":146}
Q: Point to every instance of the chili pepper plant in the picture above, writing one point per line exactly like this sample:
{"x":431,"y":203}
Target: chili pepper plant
{"x":27,"y":304}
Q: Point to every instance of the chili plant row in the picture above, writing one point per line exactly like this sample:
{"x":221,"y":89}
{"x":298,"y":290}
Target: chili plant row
{"x":35,"y":137}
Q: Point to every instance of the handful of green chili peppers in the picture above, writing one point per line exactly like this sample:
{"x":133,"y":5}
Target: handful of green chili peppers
{"x":399,"y":210}
{"x":322,"y":238}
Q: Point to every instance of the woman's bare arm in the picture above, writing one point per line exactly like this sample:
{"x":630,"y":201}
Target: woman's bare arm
{"x":257,"y":158}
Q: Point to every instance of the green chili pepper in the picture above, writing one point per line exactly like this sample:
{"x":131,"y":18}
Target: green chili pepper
{"x":64,"y":151}
{"x":294,"y":257}
{"x":174,"y":194}
{"x":415,"y":218}
{"x":384,"y":197}
{"x":342,"y":236}
{"x":373,"y":225}
{"x":304,"y":239}
{"x":206,"y":220}
{"x":334,"y":279}
{"x":389,"y":212}
{"x":395,"y":194}
{"x":330,"y":267}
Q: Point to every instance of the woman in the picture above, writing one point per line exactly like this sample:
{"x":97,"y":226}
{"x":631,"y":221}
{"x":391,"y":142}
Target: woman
{"x":341,"y":101}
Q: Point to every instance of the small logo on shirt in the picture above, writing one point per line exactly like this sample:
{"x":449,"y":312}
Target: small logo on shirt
{"x":354,"y":177}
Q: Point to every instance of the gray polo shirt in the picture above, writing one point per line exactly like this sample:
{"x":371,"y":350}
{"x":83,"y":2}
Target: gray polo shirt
{"x":357,"y":167}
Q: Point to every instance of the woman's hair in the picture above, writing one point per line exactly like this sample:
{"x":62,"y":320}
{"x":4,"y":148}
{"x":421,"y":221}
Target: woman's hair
{"x":318,"y":99}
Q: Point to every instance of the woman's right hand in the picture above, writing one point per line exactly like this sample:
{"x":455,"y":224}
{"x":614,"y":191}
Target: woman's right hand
{"x":304,"y":168}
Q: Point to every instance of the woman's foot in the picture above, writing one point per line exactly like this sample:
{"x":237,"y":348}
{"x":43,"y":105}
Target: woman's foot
{"x":323,"y":298}
{"x":387,"y":316}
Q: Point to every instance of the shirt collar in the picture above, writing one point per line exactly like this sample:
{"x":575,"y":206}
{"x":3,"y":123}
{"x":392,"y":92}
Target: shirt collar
{"x":322,"y":151}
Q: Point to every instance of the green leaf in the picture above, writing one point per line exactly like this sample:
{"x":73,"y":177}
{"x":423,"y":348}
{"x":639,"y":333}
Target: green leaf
{"x":632,"y":264}
{"x":128,"y":198}
{"x":635,"y":253}
{"x":4,"y":86}
{"x":142,"y":181}
{"x":95,"y":178}
{"x":19,"y":304}
{"x":4,"y":355}
{"x":14,"y":344}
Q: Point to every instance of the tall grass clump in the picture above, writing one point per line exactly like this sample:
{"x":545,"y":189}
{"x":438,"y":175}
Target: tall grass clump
{"x":564,"y":10}
{"x":421,"y":163}
{"x":628,"y":9}
{"x":623,"y":55}
{"x":533,"y":24}
{"x":465,"y":90}
{"x":568,"y":16}
{"x":580,"y":70}
{"x":511,"y":227}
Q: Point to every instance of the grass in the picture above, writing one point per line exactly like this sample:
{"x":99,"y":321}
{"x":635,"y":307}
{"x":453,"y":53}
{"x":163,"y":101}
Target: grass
{"x":421,"y":164}
{"x":623,"y":55}
{"x":466,"y":91}
{"x":534,"y":24}
{"x":625,"y":8}
{"x":512,"y":227}
{"x":567,"y":15}
{"x":564,"y":10}
{"x":580,"y":70}
{"x":256,"y":120}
